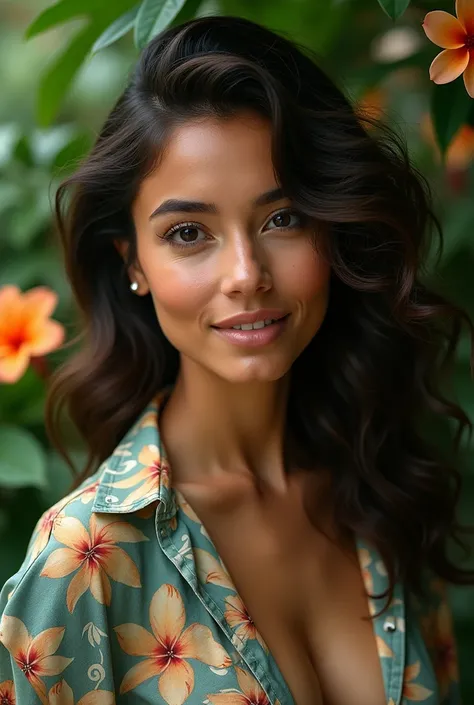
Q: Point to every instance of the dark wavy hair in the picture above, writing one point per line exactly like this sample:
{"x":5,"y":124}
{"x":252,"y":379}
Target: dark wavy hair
{"x":365,"y":389}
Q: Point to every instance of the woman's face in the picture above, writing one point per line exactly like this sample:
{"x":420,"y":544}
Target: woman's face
{"x":229,"y":252}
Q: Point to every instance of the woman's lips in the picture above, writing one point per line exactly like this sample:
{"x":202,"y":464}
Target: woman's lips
{"x":256,"y":337}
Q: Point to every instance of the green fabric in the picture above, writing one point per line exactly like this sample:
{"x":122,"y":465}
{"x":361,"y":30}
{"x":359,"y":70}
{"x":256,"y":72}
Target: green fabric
{"x":122,"y":597}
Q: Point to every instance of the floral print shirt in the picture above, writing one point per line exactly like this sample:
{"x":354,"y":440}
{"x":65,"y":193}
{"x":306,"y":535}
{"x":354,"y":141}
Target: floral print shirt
{"x":122,"y":597}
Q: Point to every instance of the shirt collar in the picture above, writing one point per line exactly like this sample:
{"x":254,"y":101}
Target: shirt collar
{"x":137,"y":474}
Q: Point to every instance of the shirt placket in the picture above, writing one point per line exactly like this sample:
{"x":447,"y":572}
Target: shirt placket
{"x":251,"y":654}
{"x":390,"y":626}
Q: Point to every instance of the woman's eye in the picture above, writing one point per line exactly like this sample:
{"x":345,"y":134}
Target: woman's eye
{"x":284,"y":220}
{"x":185,"y":235}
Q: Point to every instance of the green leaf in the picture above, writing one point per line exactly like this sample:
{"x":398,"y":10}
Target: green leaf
{"x":117,"y":29}
{"x":394,"y":8}
{"x":450,"y":107}
{"x":67,"y":157}
{"x":154,"y":16}
{"x":57,"y":79}
{"x":188,"y":12}
{"x":62,"y":11}
{"x":23,"y":152}
{"x":22,"y":459}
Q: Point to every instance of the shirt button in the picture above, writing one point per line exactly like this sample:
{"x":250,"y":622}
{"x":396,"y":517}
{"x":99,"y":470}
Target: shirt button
{"x":389,"y":625}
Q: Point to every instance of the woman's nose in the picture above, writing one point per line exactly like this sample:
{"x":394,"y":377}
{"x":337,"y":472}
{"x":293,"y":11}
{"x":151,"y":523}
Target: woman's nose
{"x":244,"y":270}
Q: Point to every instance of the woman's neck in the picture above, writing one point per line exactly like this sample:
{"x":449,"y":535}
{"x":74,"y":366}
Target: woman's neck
{"x":211,"y":427}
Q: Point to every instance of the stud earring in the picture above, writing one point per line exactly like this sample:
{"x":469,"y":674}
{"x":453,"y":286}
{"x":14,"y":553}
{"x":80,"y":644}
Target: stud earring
{"x":134,"y":286}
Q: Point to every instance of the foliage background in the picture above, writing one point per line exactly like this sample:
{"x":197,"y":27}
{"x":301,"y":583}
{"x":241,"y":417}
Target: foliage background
{"x":46,"y":124}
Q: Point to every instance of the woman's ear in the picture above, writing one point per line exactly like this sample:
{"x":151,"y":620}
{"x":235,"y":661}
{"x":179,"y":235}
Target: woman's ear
{"x":134,"y":272}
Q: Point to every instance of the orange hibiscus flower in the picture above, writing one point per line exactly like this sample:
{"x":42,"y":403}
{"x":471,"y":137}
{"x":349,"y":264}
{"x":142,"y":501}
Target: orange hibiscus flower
{"x":95,"y":554}
{"x":456,"y":37}
{"x":61,"y":694}
{"x":237,"y":617}
{"x":168,"y":647}
{"x":252,"y":693}
{"x":414,"y":691}
{"x":149,"y":476}
{"x":25,"y":329}
{"x":7,"y":693}
{"x":34,"y":655}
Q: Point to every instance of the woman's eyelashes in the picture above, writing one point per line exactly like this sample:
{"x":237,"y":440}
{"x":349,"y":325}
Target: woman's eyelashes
{"x":187,"y":235}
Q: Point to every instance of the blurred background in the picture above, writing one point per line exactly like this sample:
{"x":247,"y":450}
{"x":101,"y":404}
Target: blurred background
{"x":55,"y":94}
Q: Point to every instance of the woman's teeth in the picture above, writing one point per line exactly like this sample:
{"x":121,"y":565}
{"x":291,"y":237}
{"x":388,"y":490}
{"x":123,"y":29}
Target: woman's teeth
{"x":255,"y":326}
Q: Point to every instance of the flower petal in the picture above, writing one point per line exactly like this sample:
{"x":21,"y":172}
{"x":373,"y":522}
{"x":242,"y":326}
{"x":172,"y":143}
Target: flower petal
{"x":135,"y":640}
{"x":249,"y":686}
{"x":469,"y":77}
{"x":47,"y":642}
{"x":197,"y":642}
{"x":40,"y":302}
{"x":100,"y":586}
{"x":78,"y":586}
{"x":228,"y":699}
{"x":114,"y":531}
{"x":61,"y":694}
{"x":121,"y":568}
{"x":45,"y":337}
{"x":210,"y":570}
{"x":384,"y":650}
{"x":38,"y":686}
{"x":61,"y":562}
{"x":177,"y":682}
{"x":448,"y":65}
{"x":53,"y":665}
{"x":465,"y":13}
{"x":444,"y":30}
{"x":413,"y":691}
{"x":72,"y":533}
{"x":412,"y":672}
{"x":139,"y":673}
{"x":167,"y":615}
{"x":98,"y":697}
{"x":13,"y":367}
{"x":14,"y":635}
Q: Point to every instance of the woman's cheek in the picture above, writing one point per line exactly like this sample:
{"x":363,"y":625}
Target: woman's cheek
{"x":179,"y":292}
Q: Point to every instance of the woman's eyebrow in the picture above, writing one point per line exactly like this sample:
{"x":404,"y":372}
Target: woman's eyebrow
{"x":174,"y":205}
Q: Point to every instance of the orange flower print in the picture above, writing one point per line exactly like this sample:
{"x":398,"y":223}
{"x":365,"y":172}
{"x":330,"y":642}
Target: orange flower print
{"x":251,"y":692}
{"x":437,"y":628}
{"x":88,"y":493}
{"x":7,"y":693}
{"x":413,"y":691}
{"x":239,"y":619}
{"x":61,"y":694}
{"x":34,"y":655}
{"x":168,"y":647}
{"x":456,"y":37}
{"x":95,"y":554}
{"x":211,"y":570}
{"x":149,"y":477}
{"x":43,"y":530}
{"x":25,"y":329}
{"x":365,"y":561}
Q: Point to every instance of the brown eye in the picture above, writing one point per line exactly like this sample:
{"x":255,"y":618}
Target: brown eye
{"x":185,"y":235}
{"x":188,"y":234}
{"x":284,"y":221}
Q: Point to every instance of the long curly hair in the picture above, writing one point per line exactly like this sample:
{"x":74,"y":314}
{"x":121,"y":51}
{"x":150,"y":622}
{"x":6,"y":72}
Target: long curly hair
{"x":367,"y":387}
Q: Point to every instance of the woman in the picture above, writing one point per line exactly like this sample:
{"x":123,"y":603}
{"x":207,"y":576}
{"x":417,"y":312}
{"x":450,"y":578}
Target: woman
{"x":245,"y":255}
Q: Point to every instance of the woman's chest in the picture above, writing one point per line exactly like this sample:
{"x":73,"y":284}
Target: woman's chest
{"x":302,"y":594}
